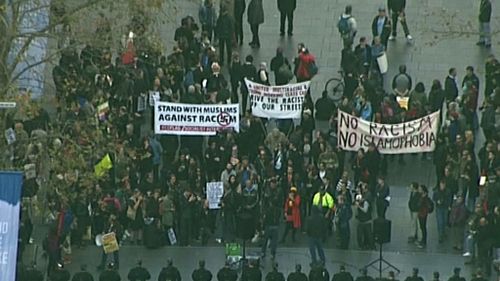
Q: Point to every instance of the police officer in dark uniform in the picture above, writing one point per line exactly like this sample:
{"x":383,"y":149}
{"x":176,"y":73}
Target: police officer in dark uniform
{"x":275,"y":275}
{"x":110,"y":274}
{"x":32,"y":274}
{"x":228,"y":274}
{"x":60,"y":274}
{"x":342,"y":275}
{"x":201,"y":274}
{"x":364,"y":276}
{"x":138,"y":273}
{"x":318,"y":272}
{"x":83,"y":275}
{"x":251,"y":272}
{"x":170,"y":272}
{"x":298,"y":275}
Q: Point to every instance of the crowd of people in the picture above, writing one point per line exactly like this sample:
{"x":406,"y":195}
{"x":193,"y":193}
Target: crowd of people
{"x":295,"y":175}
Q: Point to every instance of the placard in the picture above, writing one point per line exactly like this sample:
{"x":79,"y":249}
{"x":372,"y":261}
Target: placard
{"x":410,"y":137}
{"x":195,"y":119}
{"x":109,"y":243}
{"x":280,"y":102}
{"x":214,"y":191}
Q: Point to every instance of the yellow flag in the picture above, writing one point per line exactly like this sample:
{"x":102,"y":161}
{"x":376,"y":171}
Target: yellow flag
{"x":103,"y":166}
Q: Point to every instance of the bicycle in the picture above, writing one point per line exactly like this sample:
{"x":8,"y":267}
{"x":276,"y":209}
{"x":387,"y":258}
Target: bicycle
{"x":335,"y":87}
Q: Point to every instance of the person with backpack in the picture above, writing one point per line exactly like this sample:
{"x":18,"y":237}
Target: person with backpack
{"x":281,"y":68}
{"x":425,"y":207}
{"x":347,"y":27}
{"x":286,"y":8}
{"x":305,"y":65}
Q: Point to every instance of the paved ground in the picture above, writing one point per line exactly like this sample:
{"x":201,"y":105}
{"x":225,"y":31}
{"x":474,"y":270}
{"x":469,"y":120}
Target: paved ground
{"x":442,"y":39}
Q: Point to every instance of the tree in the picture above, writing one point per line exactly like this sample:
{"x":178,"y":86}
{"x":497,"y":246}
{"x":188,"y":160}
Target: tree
{"x":27,"y":24}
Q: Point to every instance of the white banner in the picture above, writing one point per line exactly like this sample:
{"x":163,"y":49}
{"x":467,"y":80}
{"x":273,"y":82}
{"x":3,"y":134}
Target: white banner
{"x":215,"y":191}
{"x":195,"y":119}
{"x":280,"y":102}
{"x":410,"y":137}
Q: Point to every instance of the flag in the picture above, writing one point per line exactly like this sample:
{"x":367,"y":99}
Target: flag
{"x":103,"y":166}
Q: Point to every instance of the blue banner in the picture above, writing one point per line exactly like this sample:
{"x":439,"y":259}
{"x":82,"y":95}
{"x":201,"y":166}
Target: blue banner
{"x":10,"y":203}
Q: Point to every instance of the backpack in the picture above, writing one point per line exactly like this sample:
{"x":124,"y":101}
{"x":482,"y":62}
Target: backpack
{"x":313,"y":69}
{"x":343,"y":25}
{"x":285,"y":72}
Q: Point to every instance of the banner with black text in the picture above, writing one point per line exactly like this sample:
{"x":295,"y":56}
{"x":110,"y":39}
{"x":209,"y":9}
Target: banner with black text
{"x":10,"y":203}
{"x":409,"y":137}
{"x":280,"y":102}
{"x":195,"y":119}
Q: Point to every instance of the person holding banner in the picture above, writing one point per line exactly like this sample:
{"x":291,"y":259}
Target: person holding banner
{"x":248,"y":71}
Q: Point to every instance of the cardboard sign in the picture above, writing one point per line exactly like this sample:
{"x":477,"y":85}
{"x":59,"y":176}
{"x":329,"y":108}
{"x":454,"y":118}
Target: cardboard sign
{"x":109,"y":243}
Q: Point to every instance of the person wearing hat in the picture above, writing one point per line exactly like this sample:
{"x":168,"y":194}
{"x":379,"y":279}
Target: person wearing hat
{"x":381,"y":26}
{"x":292,"y":213}
{"x":60,"y":273}
{"x":226,"y":273}
{"x":170,"y":272}
{"x":364,"y":275}
{"x":201,"y":273}
{"x":274,"y":274}
{"x":83,"y":275}
{"x":456,"y":275}
{"x":297,"y":275}
{"x":251,"y":272}
{"x":414,"y":276}
{"x":110,"y":274}
{"x":342,"y":275}
{"x":139,"y":273}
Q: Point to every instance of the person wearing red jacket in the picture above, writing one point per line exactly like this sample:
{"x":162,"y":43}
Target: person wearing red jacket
{"x":425,"y":207}
{"x":303,"y":64}
{"x":292,"y":213}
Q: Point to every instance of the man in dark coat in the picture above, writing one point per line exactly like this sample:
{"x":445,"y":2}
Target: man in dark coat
{"x":201,"y":274}
{"x":397,"y":12}
{"x":83,"y":275}
{"x":316,"y":230}
{"x":255,"y":18}
{"x":139,"y":273}
{"x":381,"y":26}
{"x":342,"y":275}
{"x":286,"y":8}
{"x":450,"y":85}
{"x":239,"y":11}
{"x":228,"y":274}
{"x":484,"y":24}
{"x":298,"y":275}
{"x":110,"y":274}
{"x":224,"y":31}
{"x":251,"y":272}
{"x":169,"y":273}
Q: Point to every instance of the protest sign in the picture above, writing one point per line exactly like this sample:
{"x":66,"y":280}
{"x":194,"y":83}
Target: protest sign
{"x":215,"y":191}
{"x":409,"y":137}
{"x":103,"y":166}
{"x":10,"y":136}
{"x":280,"y":102}
{"x":109,"y":243}
{"x":195,"y":119}
{"x":10,"y":202}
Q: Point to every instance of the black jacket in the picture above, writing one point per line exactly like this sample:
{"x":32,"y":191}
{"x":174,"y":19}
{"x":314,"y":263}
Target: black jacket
{"x":227,"y":274}
{"x":287,"y":5}
{"x":239,"y":8}
{"x":316,"y":226}
{"x":297,"y":276}
{"x":138,"y":274}
{"x":169,"y":273}
{"x":396,"y":6}
{"x":386,"y":31}
{"x":325,"y":108}
{"x":485,"y":11}
{"x":201,"y":274}
{"x":110,"y":275}
{"x":224,"y":27}
{"x":450,"y":88}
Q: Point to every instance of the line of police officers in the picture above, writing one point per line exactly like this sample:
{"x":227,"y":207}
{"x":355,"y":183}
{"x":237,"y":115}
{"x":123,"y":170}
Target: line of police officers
{"x":250,"y":272}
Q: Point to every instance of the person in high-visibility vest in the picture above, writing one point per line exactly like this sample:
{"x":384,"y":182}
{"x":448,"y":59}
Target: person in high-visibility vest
{"x":325,"y":201}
